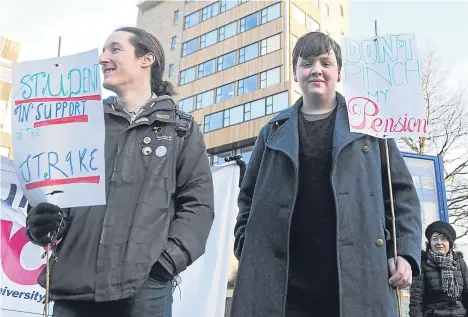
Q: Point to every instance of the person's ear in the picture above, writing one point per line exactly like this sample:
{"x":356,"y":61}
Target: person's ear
{"x":147,"y":60}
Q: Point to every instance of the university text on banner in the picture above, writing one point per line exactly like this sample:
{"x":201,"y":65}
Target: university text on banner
{"x":58,"y":130}
{"x":382,"y":85}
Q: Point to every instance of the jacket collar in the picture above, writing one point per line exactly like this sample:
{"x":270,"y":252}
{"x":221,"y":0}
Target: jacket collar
{"x":286,"y":137}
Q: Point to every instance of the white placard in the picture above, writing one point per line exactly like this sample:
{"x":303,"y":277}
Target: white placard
{"x":58,"y":130}
{"x":382,"y":85}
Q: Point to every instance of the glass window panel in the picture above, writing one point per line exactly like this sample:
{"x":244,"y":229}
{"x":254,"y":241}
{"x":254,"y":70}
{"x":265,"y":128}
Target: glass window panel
{"x":210,"y":11}
{"x":236,"y":115}
{"x":227,"y":61}
{"x":312,"y":25}
{"x":187,"y":104}
{"x":257,"y":109}
{"x":225,"y":92}
{"x":250,"y":52}
{"x":228,"y":31}
{"x":207,"y":68}
{"x":228,"y":5}
{"x":192,"y":19}
{"x":190,"y":47}
{"x":215,"y":121}
{"x":273,"y":43}
{"x":298,"y":15}
{"x":250,"y":21}
{"x":209,"y":39}
{"x":205,"y":99}
{"x":280,"y":102}
{"x":187,"y":75}
{"x":271,"y":13}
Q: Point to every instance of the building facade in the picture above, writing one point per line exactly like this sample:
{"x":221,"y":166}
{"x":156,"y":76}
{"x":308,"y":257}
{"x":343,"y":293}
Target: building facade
{"x":9,"y":52}
{"x":231,"y":60}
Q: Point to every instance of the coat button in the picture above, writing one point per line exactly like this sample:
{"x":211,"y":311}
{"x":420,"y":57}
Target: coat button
{"x":379,"y":242}
{"x":365,"y":149}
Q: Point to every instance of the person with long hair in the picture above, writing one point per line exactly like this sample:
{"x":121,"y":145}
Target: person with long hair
{"x":442,"y":288}
{"x":121,"y":259}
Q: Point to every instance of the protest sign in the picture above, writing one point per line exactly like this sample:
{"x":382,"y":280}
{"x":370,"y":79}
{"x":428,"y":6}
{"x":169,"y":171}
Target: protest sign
{"x":382,"y":85}
{"x":58,"y":130}
{"x":202,"y":292}
{"x":21,"y":262}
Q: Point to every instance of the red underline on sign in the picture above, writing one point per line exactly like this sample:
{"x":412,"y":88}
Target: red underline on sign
{"x":64,"y":181}
{"x":81,"y":118}
{"x":52,"y":99}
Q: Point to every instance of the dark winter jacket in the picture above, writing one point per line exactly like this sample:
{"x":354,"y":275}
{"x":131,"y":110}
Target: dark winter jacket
{"x":361,"y":196}
{"x":427,"y":298}
{"x":159,"y":207}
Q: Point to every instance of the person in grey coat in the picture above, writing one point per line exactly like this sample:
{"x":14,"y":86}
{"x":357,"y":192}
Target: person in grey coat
{"x":312,"y":234}
{"x":120,"y":259}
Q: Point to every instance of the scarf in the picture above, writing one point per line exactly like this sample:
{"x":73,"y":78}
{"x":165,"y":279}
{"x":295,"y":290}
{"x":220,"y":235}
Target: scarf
{"x":448,"y":266}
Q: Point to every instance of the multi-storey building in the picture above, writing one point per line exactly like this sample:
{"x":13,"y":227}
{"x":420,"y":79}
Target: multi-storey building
{"x":9,"y":52}
{"x":231,"y":60}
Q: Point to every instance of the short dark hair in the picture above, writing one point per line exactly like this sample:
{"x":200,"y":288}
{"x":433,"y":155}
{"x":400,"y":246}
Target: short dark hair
{"x":144,"y":43}
{"x":315,"y":44}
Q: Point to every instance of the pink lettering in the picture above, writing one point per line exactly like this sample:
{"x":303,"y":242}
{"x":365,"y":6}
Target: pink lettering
{"x":355,"y":106}
{"x":11,"y":249}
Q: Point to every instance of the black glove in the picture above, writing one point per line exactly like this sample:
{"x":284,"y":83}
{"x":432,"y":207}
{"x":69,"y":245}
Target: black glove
{"x":240,"y":162}
{"x":43,"y":219}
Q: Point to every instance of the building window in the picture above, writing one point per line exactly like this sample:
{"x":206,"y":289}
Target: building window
{"x":208,"y":39}
{"x":176,"y":16}
{"x":192,"y":20}
{"x":5,"y":74}
{"x":174,"y":42}
{"x":171,"y":70}
{"x":312,"y":25}
{"x":298,"y":15}
{"x":225,"y":92}
{"x":294,"y":40}
{"x":246,"y":153}
{"x":249,"y":52}
{"x":187,"y":75}
{"x":226,"y":61}
{"x":4,"y":151}
{"x":270,"y":77}
{"x":207,"y":68}
{"x":248,"y":111}
{"x":233,"y":116}
{"x":227,"y":31}
{"x":247,"y":85}
{"x":228,"y":5}
{"x":250,"y":22}
{"x":315,"y":2}
{"x":341,"y":11}
{"x":277,"y":103}
{"x":218,"y":159}
{"x":205,"y":99}
{"x":271,"y":13}
{"x":255,"y":109}
{"x":210,"y":11}
{"x":270,"y":44}
{"x":190,"y":47}
{"x":187,"y":104}
{"x":214,"y":121}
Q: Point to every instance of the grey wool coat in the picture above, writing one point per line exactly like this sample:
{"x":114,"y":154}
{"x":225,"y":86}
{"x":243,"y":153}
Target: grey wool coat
{"x":364,"y":243}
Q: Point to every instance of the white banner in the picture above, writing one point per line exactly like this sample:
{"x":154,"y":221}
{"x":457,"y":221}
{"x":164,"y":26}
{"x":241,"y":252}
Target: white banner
{"x":58,"y":130}
{"x":382,"y":85}
{"x":202,"y":292}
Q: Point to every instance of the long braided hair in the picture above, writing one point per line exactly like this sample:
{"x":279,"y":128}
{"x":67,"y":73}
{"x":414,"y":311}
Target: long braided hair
{"x":144,"y":43}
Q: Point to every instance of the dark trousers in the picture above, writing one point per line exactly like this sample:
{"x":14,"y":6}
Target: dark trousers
{"x":154,"y":299}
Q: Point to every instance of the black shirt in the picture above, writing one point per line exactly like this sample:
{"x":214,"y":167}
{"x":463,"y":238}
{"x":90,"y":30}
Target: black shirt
{"x":313,"y":273}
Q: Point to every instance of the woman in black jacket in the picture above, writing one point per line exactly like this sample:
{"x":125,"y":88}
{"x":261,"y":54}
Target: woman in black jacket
{"x":442,"y":288}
